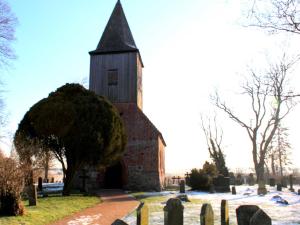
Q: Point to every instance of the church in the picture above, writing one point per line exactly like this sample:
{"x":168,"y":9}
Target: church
{"x":116,"y":68}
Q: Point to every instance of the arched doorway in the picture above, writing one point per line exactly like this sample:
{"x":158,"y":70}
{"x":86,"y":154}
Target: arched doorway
{"x":115,"y":177}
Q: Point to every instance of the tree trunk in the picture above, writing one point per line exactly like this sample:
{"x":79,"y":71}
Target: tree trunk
{"x":68,"y":180}
{"x":46,"y":166}
{"x":280,"y":163}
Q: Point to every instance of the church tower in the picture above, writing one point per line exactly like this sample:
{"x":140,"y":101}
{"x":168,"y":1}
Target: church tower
{"x":116,"y":64}
{"x":116,"y":73}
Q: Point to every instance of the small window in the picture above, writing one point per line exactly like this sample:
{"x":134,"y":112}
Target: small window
{"x":112,"y":76}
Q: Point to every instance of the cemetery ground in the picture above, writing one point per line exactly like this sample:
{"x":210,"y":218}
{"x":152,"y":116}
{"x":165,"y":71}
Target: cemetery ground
{"x":50,"y":209}
{"x":280,"y":214}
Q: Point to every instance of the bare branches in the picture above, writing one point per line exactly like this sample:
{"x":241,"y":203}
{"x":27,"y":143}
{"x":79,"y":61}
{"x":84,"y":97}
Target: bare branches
{"x":8,"y":22}
{"x":271,"y":100}
{"x":276,"y":15}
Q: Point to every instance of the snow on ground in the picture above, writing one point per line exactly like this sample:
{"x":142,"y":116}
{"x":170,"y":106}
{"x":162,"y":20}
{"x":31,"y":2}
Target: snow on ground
{"x":281,"y":214}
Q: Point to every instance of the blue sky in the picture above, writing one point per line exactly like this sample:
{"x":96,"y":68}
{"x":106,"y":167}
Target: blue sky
{"x":189,"y":48}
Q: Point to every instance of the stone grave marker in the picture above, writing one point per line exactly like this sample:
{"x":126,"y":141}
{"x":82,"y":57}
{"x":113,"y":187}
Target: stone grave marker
{"x":173,"y":212}
{"x":142,"y":214}
{"x":119,"y":222}
{"x":272,"y":182}
{"x":279,"y":187}
{"x":207,"y":215}
{"x":224,"y":213}
{"x":260,"y":218}
{"x":284,"y":182}
{"x":244,"y":213}
{"x":222,"y":184}
{"x":40,"y":184}
{"x":251,"y":180}
{"x":52,"y":180}
{"x":84,"y":177}
{"x":291,"y":183}
{"x":212,"y":189}
{"x":233,"y":190}
{"x":32,"y":195}
{"x":182,"y":186}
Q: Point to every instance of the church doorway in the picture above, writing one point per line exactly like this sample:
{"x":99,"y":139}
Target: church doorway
{"x":114,"y":177}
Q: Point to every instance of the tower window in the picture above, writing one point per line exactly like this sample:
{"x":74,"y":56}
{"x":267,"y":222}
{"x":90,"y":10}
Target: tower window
{"x":112,"y":77}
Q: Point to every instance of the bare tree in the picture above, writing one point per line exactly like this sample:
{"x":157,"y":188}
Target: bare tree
{"x":8,"y":23}
{"x":276,"y":15}
{"x":214,"y":136}
{"x":280,"y":151}
{"x":271,"y":100}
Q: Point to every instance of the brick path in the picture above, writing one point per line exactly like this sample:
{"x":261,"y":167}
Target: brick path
{"x":115,"y":205}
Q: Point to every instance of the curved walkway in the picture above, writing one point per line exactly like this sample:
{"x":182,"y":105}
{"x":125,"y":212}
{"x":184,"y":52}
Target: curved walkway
{"x":115,"y":205}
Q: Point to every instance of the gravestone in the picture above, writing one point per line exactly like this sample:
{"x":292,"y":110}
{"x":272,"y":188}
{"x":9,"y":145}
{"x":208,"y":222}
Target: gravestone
{"x":239,"y":179}
{"x":224,"y":213}
{"x":262,"y":190}
{"x":298,"y":191}
{"x":232,"y":178}
{"x":84,"y":177}
{"x":142,"y":214}
{"x":119,"y":222}
{"x":52,"y":180}
{"x":272,"y":182}
{"x":279,"y":187}
{"x":284,"y":182}
{"x":233,"y":190}
{"x":291,"y":183}
{"x":260,"y":218}
{"x":251,"y":180}
{"x":207,"y":215}
{"x":182,"y":186}
{"x":40,"y":184}
{"x":244,"y":213}
{"x":32,"y":195}
{"x":222,"y":184}
{"x":212,"y":189}
{"x":173,"y":212}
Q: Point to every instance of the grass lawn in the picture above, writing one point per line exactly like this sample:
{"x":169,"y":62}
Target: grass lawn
{"x":51,"y":209}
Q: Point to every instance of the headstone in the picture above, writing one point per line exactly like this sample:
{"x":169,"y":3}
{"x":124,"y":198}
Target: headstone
{"x":207,"y":215}
{"x":222,"y":184}
{"x":298,"y":191}
{"x":251,"y":180}
{"x":284,"y":182}
{"x":119,"y":222}
{"x":232,"y":178}
{"x":142,"y":215}
{"x":262,"y":190}
{"x":52,"y":180}
{"x":40,"y":184}
{"x":173,"y":212}
{"x":272,"y":182}
{"x":244,"y":213}
{"x":224,"y":213}
{"x":32,"y":195}
{"x":233,"y":190}
{"x":84,"y":177}
{"x":260,"y":218}
{"x":279,"y":187}
{"x":182,"y":186}
{"x":291,"y":183}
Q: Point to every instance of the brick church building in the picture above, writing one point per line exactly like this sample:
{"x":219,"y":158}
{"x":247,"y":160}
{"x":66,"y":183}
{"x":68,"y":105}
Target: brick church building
{"x":116,"y":72}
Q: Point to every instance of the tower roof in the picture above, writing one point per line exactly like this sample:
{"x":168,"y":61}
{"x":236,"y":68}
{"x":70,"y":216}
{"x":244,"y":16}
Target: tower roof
{"x":117,"y":36}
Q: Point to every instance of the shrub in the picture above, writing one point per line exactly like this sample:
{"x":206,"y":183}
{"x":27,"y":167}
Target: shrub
{"x":198,"y":180}
{"x":11,"y":185}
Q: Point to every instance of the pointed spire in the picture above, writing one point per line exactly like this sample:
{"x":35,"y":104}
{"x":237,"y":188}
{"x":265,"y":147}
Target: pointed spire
{"x":117,"y":36}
